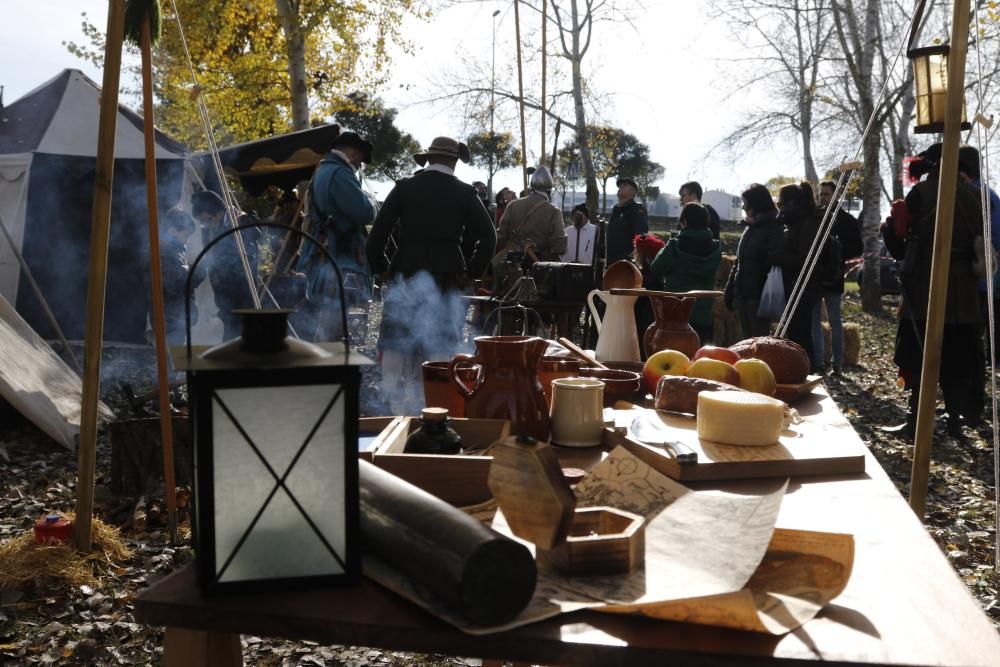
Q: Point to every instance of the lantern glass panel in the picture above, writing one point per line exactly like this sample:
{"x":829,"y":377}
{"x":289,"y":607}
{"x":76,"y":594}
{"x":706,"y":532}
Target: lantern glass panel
{"x":279,"y":421}
{"x":930,"y":73}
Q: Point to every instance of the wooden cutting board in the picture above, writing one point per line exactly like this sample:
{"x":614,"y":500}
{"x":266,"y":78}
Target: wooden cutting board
{"x":823,"y":444}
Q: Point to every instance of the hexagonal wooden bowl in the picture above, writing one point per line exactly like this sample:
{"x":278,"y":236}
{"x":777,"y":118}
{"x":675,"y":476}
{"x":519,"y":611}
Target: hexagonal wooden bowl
{"x":601,"y":540}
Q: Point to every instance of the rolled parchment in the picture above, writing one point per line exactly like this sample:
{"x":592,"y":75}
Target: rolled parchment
{"x":477,"y":572}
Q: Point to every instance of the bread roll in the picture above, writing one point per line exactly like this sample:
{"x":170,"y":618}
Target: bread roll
{"x":788,"y":360}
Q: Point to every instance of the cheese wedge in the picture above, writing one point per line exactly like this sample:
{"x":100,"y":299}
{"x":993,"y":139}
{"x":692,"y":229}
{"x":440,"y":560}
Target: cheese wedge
{"x":739,"y":418}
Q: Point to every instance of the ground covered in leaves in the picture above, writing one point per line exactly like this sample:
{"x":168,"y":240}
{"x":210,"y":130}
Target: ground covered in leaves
{"x":43,"y":621}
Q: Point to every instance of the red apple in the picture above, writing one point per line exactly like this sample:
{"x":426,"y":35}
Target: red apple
{"x":713,"y":369}
{"x":664,"y":362}
{"x":720,"y":353}
{"x":756,"y":375}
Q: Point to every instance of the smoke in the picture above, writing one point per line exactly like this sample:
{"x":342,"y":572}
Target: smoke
{"x":420,"y":322}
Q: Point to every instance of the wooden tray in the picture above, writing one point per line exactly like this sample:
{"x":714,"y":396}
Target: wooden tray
{"x":460,"y":480}
{"x":823,"y":444}
{"x":372,"y":432}
{"x":790,"y":393}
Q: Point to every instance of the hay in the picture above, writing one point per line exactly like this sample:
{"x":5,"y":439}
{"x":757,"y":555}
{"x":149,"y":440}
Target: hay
{"x":24,"y":561}
{"x":852,"y":343}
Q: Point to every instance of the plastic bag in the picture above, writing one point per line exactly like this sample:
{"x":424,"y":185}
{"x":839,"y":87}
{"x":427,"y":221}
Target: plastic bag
{"x":772,"y":299}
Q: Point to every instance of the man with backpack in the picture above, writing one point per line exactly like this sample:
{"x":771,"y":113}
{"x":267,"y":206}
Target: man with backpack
{"x":339,"y":211}
{"x":843,"y":243}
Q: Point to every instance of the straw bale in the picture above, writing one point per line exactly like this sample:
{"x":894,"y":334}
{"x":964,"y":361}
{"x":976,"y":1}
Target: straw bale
{"x":24,"y":560}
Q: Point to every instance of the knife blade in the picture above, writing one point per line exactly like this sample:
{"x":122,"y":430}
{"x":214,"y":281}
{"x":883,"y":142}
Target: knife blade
{"x":645,"y":431}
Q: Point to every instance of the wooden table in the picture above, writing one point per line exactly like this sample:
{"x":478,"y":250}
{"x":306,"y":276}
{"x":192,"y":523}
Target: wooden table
{"x":904,"y":604}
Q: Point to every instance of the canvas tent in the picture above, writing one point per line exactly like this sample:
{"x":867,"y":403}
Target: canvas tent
{"x":48,"y":146}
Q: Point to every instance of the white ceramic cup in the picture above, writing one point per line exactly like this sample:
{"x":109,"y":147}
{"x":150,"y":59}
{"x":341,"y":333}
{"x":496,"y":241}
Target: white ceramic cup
{"x":577,"y":416}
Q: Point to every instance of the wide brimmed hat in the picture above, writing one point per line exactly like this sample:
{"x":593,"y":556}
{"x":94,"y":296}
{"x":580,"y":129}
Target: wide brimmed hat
{"x":354,"y":140}
{"x":445,"y":147}
{"x":629,"y":180}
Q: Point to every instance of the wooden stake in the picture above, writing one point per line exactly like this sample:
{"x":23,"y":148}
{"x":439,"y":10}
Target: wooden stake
{"x":941,"y":258}
{"x":520,"y":93}
{"x":545,"y":20}
{"x":100,"y":228}
{"x":156,"y":276}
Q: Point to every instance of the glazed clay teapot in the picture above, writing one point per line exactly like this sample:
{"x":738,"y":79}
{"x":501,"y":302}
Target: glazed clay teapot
{"x":508,"y":386}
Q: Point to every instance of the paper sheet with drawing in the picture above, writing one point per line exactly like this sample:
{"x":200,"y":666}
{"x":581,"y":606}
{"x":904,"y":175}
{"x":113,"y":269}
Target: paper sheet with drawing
{"x":711,"y":558}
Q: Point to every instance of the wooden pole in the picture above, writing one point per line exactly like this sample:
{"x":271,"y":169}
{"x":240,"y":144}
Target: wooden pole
{"x":941,"y":258}
{"x":545,"y":20}
{"x":100,"y":228}
{"x":520,"y":93}
{"x":156,"y":278}
{"x":26,"y":270}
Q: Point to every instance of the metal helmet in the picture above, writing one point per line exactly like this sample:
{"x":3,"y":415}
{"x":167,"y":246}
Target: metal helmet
{"x":541,"y":179}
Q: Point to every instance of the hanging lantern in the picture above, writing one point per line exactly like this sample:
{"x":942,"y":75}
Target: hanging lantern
{"x":930,"y":78}
{"x":275,"y":424}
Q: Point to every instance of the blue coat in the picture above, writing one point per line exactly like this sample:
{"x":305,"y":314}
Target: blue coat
{"x":339,"y":212}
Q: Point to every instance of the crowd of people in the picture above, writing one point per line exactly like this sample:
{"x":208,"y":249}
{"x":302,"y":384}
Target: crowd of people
{"x":435,"y":235}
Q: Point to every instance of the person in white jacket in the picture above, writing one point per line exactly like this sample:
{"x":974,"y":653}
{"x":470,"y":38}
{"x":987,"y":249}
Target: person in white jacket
{"x":581,"y":237}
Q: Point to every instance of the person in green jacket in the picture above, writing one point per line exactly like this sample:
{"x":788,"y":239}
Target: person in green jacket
{"x":689,"y":262}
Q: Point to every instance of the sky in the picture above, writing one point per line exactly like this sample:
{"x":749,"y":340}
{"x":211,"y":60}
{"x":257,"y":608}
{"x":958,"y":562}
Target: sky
{"x":663,"y":80}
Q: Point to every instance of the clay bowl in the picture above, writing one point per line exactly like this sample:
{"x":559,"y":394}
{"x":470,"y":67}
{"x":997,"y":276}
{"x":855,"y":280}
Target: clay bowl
{"x":619,"y":385}
{"x":622,"y":274}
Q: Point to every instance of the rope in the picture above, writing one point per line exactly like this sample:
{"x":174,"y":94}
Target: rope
{"x":812,"y":257}
{"x":232,"y":209}
{"x":984,"y":194}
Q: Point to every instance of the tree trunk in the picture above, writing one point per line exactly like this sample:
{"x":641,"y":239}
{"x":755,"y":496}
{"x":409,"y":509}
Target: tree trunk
{"x":295,"y":47}
{"x":581,"y":117}
{"x":901,"y":140}
{"x":871,"y":289}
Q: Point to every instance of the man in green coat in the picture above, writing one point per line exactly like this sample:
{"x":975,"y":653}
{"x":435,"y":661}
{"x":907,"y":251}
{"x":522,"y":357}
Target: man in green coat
{"x":690,"y":262}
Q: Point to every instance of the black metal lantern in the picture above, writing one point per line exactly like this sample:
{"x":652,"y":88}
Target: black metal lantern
{"x":275,"y":423}
{"x":930,"y":79}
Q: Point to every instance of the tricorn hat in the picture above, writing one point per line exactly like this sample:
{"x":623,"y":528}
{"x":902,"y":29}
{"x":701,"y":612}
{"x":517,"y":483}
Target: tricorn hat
{"x":354,"y":140}
{"x":445,"y":147}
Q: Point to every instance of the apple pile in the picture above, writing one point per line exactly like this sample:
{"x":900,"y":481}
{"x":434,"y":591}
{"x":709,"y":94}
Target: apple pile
{"x":710,"y":363}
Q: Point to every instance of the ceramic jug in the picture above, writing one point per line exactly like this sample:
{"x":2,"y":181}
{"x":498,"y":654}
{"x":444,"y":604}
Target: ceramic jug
{"x":671,"y":330}
{"x":617,"y":339}
{"x":508,"y":385}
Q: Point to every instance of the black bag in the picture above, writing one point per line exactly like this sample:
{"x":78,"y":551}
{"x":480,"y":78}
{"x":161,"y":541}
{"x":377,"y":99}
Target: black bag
{"x":563,"y":281}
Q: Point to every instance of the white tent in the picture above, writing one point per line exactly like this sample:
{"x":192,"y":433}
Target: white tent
{"x":48,"y":146}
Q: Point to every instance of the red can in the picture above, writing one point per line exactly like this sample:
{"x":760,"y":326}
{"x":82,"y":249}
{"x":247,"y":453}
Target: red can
{"x":52,"y":529}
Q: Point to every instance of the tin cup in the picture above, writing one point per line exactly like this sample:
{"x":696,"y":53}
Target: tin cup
{"x":577,"y":416}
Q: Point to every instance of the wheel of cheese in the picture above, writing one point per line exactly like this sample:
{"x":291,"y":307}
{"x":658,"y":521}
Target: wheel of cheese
{"x":739,"y":418}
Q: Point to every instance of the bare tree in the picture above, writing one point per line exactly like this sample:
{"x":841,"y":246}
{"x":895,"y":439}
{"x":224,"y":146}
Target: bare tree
{"x":786,"y":45}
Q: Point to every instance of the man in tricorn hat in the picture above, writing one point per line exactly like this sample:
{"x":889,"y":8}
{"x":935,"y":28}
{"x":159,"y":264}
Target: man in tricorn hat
{"x":422,"y":316}
{"x":338,"y":212}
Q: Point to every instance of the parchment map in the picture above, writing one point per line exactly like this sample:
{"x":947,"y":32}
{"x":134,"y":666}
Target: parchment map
{"x":711,"y":558}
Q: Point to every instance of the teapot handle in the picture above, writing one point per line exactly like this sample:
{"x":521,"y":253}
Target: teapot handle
{"x":593,"y":308}
{"x":453,"y":367}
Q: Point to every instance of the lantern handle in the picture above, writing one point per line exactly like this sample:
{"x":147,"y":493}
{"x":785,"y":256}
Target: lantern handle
{"x":279,"y":225}
{"x":915,"y":26}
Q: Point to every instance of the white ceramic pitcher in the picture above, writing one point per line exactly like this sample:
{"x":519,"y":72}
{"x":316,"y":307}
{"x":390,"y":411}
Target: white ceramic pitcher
{"x":616,"y":336}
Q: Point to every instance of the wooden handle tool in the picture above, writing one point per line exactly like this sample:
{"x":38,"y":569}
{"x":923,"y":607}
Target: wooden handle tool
{"x":579,"y":352}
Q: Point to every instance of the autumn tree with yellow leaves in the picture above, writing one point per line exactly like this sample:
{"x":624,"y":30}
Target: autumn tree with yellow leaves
{"x":265,"y":66}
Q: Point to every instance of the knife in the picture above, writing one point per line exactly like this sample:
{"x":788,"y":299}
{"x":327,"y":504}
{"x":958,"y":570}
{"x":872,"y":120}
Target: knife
{"x":647,"y":432}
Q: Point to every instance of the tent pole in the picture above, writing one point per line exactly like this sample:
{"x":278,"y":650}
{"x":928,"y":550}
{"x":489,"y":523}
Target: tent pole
{"x":97,"y":275}
{"x":520,"y":95}
{"x":941,"y":258}
{"x":156,"y":276}
{"x":41,"y":298}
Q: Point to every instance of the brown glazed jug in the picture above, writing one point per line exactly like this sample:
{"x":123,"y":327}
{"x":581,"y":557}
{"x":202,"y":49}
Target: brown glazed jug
{"x":671,"y":330}
{"x":507,"y":386}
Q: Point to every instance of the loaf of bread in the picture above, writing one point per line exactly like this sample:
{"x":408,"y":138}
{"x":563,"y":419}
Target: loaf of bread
{"x":788,"y":361}
{"x":679,"y":393}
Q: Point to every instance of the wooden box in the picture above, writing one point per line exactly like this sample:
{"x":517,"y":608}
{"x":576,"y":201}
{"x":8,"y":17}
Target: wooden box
{"x":460,"y":479}
{"x":601,"y":540}
{"x":372,"y":432}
